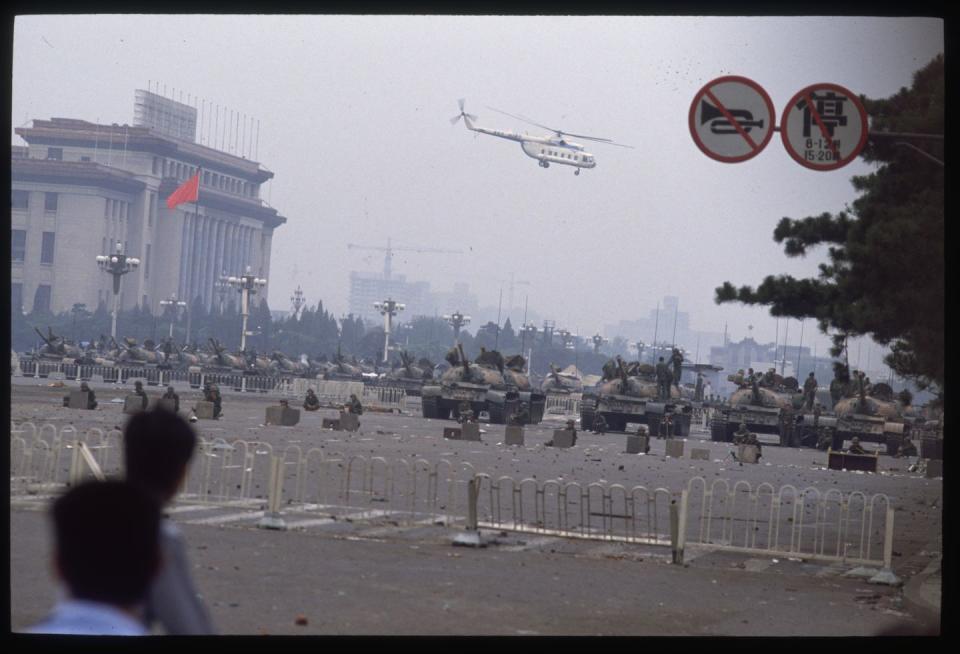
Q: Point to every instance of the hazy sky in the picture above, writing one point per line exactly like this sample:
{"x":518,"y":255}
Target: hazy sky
{"x":354,"y":120}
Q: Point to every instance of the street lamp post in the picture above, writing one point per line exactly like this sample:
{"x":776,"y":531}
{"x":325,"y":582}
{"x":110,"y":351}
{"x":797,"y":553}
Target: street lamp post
{"x":117,"y":264}
{"x":246,"y":285}
{"x":298,"y":301}
{"x":388,"y":309}
{"x":457,"y":320}
{"x":174,"y":304}
{"x":222,"y":287}
{"x":641,"y":346}
{"x":597,"y":341}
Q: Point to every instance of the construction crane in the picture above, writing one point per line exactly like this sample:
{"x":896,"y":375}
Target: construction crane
{"x":512,"y":282}
{"x":389,"y":250}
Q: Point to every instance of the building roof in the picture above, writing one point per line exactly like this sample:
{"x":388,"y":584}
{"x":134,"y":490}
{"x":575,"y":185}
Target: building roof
{"x":80,"y":173}
{"x":82,"y":133}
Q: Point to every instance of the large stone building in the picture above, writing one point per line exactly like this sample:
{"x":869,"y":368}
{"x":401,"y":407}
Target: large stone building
{"x":78,"y":188}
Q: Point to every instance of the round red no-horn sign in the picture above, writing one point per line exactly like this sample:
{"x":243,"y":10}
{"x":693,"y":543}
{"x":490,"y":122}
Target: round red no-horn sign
{"x":824,"y":126}
{"x":732,"y":119}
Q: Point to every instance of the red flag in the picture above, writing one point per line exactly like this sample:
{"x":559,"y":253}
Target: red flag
{"x":189,"y":191}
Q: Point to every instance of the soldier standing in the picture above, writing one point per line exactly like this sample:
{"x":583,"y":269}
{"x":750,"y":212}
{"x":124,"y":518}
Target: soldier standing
{"x":677,"y":360}
{"x":809,"y":390}
{"x":172,"y":395}
{"x":138,"y":390}
{"x":664,"y":377}
{"x":599,"y":424}
{"x":698,"y":389}
{"x":355,"y":406}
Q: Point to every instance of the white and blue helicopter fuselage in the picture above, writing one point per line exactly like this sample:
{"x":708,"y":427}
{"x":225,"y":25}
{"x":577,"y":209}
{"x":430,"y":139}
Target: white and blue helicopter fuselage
{"x":545,"y":149}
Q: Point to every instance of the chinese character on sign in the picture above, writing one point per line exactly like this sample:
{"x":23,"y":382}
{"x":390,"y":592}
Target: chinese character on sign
{"x":829,"y":106}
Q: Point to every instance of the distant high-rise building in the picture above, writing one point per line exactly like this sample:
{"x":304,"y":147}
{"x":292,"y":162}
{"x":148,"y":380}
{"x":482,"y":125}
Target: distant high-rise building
{"x":78,"y":188}
{"x":367,"y":288}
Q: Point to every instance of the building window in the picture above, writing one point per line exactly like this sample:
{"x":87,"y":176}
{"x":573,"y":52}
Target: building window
{"x":146,"y":263}
{"x":55,"y":153}
{"x":84,"y":158}
{"x":50,"y":201}
{"x":19,"y":199}
{"x":16,"y":297}
{"x":156,"y":165}
{"x":18,"y":244}
{"x":153,"y":207}
{"x":46,"y":247}
{"x":41,"y":299}
{"x":206,"y":179}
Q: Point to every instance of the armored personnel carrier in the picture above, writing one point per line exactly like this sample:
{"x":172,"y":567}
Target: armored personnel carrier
{"x":764,"y":404}
{"x":480,"y":384}
{"x":628,"y":394}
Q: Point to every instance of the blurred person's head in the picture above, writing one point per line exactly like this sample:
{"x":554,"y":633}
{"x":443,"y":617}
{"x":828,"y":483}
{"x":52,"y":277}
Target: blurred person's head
{"x":107,"y":542}
{"x":157,"y":447}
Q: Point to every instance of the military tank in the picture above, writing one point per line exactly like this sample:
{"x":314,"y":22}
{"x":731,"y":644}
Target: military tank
{"x":532,"y":402}
{"x":627,"y":393}
{"x":479,"y":384}
{"x":559,"y":383}
{"x":408,"y":374}
{"x":872,"y":415}
{"x":765,"y":405}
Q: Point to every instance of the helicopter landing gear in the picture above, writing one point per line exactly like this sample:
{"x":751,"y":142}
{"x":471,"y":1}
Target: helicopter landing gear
{"x":545,"y":164}
{"x":576,"y":172}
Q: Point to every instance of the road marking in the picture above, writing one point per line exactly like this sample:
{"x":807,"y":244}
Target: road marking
{"x":230,"y":517}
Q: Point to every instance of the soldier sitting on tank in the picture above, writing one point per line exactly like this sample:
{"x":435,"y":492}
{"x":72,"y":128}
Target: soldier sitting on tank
{"x":856,"y":447}
{"x":172,"y":395}
{"x":311,"y":402}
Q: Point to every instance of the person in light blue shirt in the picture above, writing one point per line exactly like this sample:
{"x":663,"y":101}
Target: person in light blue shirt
{"x":106,"y":554}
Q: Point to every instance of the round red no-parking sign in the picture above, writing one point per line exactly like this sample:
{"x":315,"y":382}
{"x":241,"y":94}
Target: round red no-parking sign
{"x":732,"y":119}
{"x":824,"y":126}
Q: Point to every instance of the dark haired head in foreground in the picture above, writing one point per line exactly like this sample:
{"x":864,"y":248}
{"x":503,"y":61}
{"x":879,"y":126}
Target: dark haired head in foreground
{"x":158,"y":445}
{"x":107,"y":553}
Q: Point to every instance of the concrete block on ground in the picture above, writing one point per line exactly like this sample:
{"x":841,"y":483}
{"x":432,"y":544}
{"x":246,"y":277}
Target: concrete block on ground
{"x":349,"y":421}
{"x":453,"y":433}
{"x":79,"y":399}
{"x":282,"y":415}
{"x":934,"y":468}
{"x":204,"y":410}
{"x":748,"y":453}
{"x":674,"y":448}
{"x":638,"y":443}
{"x":562,"y":438}
{"x":700,"y":453}
{"x":331,"y":423}
{"x":168,"y":404}
{"x":513,"y":435}
{"x":470,"y":431}
{"x":96,"y":379}
{"x":847,"y":461}
{"x":133,"y":404}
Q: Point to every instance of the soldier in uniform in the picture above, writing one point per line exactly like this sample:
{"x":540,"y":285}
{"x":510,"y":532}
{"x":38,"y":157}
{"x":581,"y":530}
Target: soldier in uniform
{"x":855,"y":447}
{"x":664,"y":378}
{"x":521,"y":417}
{"x":354,"y":404}
{"x":138,"y":390}
{"x":212,"y":394}
{"x":809,"y":390}
{"x":311,"y":402}
{"x":465,"y":412}
{"x":572,"y":427}
{"x":599,"y":424}
{"x":740,"y":436}
{"x":172,"y":395}
{"x":677,"y":360}
{"x":907,"y":448}
{"x":91,"y":397}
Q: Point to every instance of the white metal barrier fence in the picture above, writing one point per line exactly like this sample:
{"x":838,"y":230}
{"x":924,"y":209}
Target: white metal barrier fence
{"x":806,"y":523}
{"x":565,"y":404}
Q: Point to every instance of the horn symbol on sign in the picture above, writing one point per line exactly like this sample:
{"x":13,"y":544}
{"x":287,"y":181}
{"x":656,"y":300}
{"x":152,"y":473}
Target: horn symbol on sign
{"x":721,"y":125}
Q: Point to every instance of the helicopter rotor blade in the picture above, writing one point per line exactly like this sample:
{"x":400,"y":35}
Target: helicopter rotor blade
{"x":460,"y":102}
{"x":526,"y":120}
{"x":453,"y":121}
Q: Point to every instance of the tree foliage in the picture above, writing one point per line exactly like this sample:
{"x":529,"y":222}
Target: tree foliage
{"x":885,"y":275}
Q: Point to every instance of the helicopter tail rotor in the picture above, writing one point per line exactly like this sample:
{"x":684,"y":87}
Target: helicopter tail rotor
{"x":462,"y":114}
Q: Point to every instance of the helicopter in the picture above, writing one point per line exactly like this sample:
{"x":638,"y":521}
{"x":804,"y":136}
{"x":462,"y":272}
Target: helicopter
{"x":545,"y":149}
